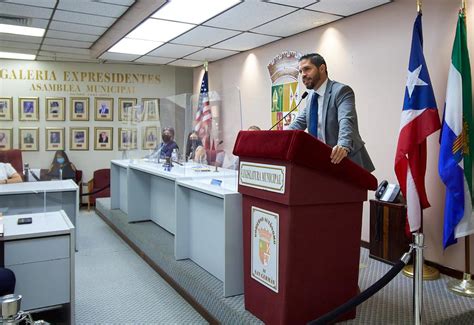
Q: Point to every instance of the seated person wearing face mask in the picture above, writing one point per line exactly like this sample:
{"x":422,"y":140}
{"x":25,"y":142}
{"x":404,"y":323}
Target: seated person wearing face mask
{"x":8,"y":174}
{"x":61,"y":162}
{"x":165,"y":148}
{"x":193,"y":143}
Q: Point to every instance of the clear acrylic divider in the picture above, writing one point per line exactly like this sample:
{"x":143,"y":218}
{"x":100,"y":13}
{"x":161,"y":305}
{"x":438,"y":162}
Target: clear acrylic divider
{"x":216,"y":120}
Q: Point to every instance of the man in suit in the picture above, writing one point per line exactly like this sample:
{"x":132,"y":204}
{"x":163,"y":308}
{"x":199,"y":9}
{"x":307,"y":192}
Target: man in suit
{"x":330,"y":113}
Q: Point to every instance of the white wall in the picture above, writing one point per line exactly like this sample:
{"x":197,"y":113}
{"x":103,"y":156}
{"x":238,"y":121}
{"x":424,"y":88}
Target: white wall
{"x":369,"y":52}
{"x":172,"y":81}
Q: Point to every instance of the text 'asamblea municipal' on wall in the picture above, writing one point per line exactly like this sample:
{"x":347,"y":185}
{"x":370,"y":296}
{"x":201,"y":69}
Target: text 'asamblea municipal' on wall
{"x":80,"y":82}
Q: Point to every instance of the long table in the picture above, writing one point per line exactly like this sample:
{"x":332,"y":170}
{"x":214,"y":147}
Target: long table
{"x":41,"y":255}
{"x":151,"y":191}
{"x":47,"y":196}
{"x":209,"y":229}
{"x":118,"y":184}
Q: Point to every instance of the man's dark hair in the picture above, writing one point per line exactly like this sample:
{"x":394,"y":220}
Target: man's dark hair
{"x":315,"y":59}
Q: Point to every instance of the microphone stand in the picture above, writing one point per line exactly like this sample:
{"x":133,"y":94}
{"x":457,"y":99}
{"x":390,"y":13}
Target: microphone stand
{"x":302,"y":97}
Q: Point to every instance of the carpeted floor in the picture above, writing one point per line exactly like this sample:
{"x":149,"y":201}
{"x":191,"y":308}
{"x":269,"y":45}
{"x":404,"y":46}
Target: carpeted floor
{"x":115,"y":286}
{"x":392,"y":305}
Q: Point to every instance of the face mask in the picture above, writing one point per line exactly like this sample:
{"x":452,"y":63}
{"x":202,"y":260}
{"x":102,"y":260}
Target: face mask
{"x":166,"y":138}
{"x":60,"y":160}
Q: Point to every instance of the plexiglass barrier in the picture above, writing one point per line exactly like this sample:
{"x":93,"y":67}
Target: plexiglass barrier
{"x":186,"y":135}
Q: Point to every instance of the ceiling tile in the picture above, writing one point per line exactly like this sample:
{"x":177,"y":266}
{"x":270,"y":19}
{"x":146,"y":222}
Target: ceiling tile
{"x":294,"y":3}
{"x":204,"y":36}
{"x":25,"y":11}
{"x":210,"y":54}
{"x":38,"y":3}
{"x":245,"y":41}
{"x":295,"y":22}
{"x":346,"y":7}
{"x":20,"y":38}
{"x":118,"y":56}
{"x":154,"y":60}
{"x":119,"y":2}
{"x":186,"y":63}
{"x":62,"y":49}
{"x":71,"y":36}
{"x":38,"y":22}
{"x":255,"y":13}
{"x":19,"y":45}
{"x":61,"y":42}
{"x":64,"y":55}
{"x":18,"y":50}
{"x":63,"y":59}
{"x":174,"y":50}
{"x":93,"y":8}
{"x":79,"y":18}
{"x":69,"y":27}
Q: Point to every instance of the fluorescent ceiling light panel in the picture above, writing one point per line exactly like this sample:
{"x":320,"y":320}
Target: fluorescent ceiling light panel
{"x":22,"y":30}
{"x":19,"y":56}
{"x":134,"y":46}
{"x":159,"y":30}
{"x":192,"y":11}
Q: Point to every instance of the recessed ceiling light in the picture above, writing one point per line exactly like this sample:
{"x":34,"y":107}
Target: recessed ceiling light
{"x":21,"y":30}
{"x":19,"y":56}
{"x":134,"y":46}
{"x":159,"y":30}
{"x":192,"y":11}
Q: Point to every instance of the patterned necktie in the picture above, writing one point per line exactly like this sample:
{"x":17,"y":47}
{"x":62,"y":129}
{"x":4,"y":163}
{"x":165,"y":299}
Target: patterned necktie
{"x":313,"y":115}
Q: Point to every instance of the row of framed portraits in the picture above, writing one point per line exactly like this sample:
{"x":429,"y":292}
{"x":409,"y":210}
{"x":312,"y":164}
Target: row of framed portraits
{"x":55,"y":109}
{"x":29,"y":139}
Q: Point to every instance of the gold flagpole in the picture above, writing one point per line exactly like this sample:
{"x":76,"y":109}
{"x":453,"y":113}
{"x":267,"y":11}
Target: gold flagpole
{"x":206,"y":65}
{"x":464,"y":287}
{"x":418,"y":6}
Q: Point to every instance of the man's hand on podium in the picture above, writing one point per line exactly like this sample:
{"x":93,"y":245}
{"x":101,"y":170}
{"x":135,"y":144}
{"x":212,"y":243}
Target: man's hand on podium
{"x":338,"y":153}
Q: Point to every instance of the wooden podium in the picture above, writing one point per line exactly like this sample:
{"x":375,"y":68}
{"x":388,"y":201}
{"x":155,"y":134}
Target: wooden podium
{"x":302,"y":219}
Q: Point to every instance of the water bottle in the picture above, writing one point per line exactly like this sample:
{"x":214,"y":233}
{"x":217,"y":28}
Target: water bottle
{"x":60,"y":173}
{"x":174,"y":155}
{"x":26,"y":171}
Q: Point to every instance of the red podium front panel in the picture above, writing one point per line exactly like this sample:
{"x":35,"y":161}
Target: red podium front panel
{"x":301,"y":244}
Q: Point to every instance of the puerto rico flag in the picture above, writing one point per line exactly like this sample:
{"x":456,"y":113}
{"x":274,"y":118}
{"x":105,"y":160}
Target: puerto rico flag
{"x":203,"y":117}
{"x":457,"y":143}
{"x":419,"y":119}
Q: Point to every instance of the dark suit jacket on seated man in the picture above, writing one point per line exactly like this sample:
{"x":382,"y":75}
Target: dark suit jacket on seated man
{"x":330,"y":113}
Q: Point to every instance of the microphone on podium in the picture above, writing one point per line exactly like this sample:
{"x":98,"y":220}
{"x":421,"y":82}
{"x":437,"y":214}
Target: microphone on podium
{"x":302,"y":97}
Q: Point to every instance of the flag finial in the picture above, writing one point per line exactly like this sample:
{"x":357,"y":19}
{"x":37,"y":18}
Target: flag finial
{"x":206,"y":64}
{"x":418,"y":6}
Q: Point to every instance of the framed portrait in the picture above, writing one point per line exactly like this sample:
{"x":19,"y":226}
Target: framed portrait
{"x":103,"y":138}
{"x":6,"y":139}
{"x":28,"y":138}
{"x":104,"y":108}
{"x":151,"y":107}
{"x":54,"y":139}
{"x":6,"y":108}
{"x":127,"y":138}
{"x":150,"y":138}
{"x":79,"y":138}
{"x":28,"y":108}
{"x":55,"y":110}
{"x":79,"y":108}
{"x":125,"y":108}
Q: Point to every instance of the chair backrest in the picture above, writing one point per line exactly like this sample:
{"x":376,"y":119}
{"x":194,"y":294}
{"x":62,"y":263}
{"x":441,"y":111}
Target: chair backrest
{"x":13,"y":157}
{"x":211,"y":155}
{"x":101,"y":178}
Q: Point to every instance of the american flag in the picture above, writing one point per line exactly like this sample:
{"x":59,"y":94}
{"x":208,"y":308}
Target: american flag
{"x":203,"y":113}
{"x":419,"y":120}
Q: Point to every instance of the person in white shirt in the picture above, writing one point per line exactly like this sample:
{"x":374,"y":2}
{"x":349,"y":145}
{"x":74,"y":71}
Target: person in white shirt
{"x":8,"y":174}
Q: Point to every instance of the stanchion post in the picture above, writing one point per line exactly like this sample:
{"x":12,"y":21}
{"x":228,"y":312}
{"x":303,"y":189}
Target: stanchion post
{"x":418,"y":243}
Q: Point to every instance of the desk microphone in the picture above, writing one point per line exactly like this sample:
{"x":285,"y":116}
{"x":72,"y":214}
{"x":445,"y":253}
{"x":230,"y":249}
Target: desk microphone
{"x":302,"y":97}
